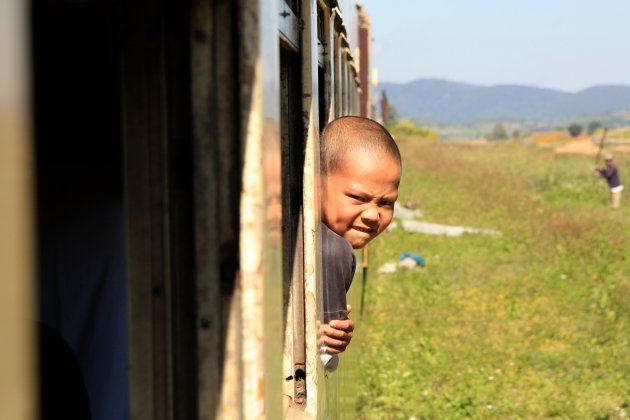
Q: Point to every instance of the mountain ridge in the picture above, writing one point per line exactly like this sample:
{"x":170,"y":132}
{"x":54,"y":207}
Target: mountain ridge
{"x":444,"y":101}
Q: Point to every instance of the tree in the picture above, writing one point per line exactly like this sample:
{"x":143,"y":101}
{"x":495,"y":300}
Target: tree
{"x":592,"y":127}
{"x":392,"y":116}
{"x":575,"y":129}
{"x":499,"y":132}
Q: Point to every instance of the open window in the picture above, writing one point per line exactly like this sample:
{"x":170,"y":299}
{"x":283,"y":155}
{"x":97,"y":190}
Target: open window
{"x":82,"y":287}
{"x":292,"y":145}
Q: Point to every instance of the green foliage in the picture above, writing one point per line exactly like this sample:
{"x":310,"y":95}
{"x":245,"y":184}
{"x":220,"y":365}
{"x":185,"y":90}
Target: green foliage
{"x":592,"y":127}
{"x":392,"y":116}
{"x":407,"y":128}
{"x":531,"y":323}
{"x":575,"y":129}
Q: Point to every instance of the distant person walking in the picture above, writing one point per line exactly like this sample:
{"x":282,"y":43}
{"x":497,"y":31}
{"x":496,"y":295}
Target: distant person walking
{"x":611,"y":175}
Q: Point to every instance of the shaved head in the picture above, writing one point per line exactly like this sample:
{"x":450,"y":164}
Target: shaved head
{"x":356,"y":135}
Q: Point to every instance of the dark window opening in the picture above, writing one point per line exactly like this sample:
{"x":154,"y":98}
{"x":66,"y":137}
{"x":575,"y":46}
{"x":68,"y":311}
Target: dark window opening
{"x":294,"y":5}
{"x":321,"y":32}
{"x":323,"y":102}
{"x":292,"y":144}
{"x":81,"y":228}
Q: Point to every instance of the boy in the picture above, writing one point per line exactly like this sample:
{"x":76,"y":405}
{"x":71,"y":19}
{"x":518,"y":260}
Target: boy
{"x":360,"y":173}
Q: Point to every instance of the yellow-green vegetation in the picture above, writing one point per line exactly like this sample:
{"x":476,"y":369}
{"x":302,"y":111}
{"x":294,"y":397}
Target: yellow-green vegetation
{"x":623,"y":133}
{"x":532,"y":323}
{"x":407,"y":128}
{"x":618,"y":133}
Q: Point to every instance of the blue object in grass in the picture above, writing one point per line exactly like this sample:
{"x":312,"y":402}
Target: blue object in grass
{"x":417,"y":258}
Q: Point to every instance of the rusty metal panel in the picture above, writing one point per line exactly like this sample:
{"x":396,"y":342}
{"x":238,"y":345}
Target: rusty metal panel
{"x":332,"y":65}
{"x":312,"y":234}
{"x":149,"y":346}
{"x":158,"y":183}
{"x":144,"y":134}
{"x":17,"y":309}
{"x":216,"y":171}
{"x":292,"y":134}
{"x":260,"y":211}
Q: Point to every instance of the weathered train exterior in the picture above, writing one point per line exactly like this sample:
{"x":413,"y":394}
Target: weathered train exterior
{"x":213,"y":110}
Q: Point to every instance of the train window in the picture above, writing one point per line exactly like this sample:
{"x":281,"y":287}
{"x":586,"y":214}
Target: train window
{"x":292,"y":145}
{"x":322,"y":77}
{"x":288,"y":26}
{"x":337,"y":74}
{"x":321,"y":37}
{"x":365,"y":53}
{"x":80,"y":203}
{"x":293,"y":5}
{"x":345,"y":85}
{"x":350,"y":85}
{"x":324,"y":67}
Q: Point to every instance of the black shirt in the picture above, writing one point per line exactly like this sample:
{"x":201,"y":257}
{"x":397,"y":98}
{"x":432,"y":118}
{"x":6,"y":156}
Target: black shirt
{"x":611,"y":175}
{"x":339,"y":264}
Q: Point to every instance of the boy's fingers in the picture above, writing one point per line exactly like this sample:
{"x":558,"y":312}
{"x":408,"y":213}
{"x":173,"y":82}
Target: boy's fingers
{"x":338,"y":344}
{"x":346,"y":325}
{"x":333,"y":350}
{"x":335,"y":346}
{"x":338,"y":334}
{"x":349,"y":308}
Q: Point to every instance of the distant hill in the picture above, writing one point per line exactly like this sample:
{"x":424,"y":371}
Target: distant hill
{"x":460,"y":103}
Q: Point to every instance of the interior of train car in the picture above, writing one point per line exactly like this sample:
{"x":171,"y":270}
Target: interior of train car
{"x":172,"y":208}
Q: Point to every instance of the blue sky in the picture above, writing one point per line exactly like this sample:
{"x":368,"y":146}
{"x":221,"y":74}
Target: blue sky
{"x":560,"y":44}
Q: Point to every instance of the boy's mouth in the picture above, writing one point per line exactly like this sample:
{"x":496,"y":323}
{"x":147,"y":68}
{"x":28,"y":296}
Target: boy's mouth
{"x":362,"y":229}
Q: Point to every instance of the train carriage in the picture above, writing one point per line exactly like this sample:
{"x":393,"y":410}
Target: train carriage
{"x":160,"y":198}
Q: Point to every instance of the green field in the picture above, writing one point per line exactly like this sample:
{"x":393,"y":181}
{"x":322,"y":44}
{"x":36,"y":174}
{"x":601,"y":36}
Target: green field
{"x":532,"y":323}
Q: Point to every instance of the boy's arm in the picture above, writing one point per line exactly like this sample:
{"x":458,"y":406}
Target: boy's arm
{"x":337,"y":335}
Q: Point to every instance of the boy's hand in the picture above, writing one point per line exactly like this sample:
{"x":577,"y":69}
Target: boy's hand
{"x":337,"y":335}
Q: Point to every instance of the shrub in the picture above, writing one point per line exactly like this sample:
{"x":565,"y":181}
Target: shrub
{"x":407,"y":128}
{"x":575,"y":129}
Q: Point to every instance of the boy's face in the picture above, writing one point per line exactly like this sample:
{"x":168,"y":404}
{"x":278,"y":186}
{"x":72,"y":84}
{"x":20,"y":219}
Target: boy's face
{"x":358,"y":200}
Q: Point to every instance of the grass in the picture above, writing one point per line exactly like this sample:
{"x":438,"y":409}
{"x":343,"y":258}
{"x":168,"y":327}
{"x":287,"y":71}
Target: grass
{"x":532,"y":323}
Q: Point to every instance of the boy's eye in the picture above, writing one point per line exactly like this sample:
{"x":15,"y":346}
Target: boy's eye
{"x":387,"y":202}
{"x":356,"y":197}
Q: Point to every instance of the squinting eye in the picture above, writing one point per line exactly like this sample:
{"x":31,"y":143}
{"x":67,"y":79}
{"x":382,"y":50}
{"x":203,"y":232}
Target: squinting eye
{"x":388,"y":203}
{"x":356,"y":197}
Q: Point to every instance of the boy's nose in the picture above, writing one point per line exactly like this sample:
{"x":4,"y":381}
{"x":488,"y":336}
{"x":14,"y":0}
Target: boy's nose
{"x":370,"y":215}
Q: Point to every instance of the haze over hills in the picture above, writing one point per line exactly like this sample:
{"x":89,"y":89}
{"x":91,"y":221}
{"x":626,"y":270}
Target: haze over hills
{"x":448,"y":102}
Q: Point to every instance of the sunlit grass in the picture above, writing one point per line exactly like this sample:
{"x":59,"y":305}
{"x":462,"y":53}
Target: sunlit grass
{"x":531,"y":323}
